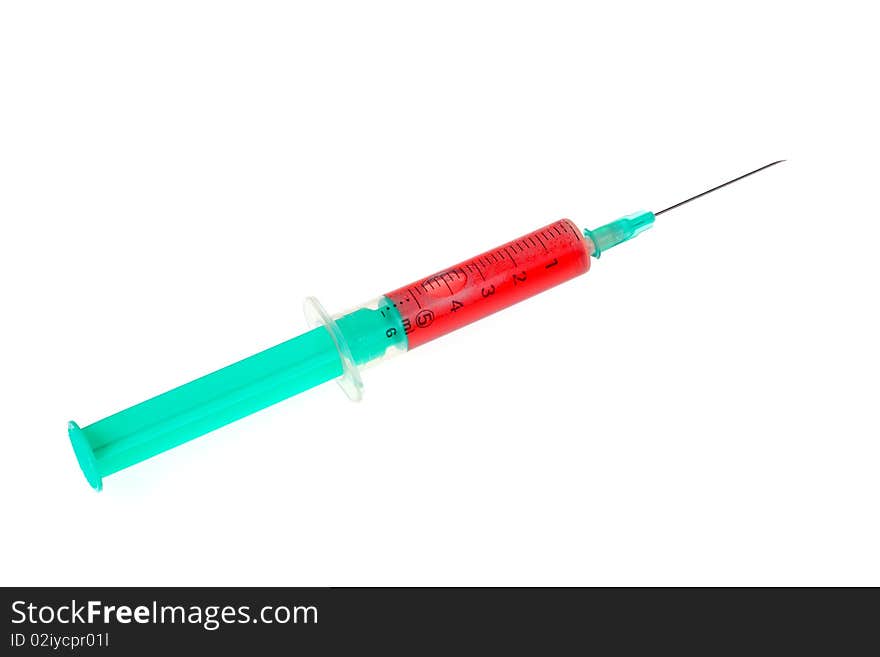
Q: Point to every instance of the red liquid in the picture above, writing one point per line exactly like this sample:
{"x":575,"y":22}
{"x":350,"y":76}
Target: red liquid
{"x":491,"y":281}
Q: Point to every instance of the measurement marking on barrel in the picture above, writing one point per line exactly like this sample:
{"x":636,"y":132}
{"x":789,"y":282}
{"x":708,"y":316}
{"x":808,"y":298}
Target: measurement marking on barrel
{"x":414,"y":297}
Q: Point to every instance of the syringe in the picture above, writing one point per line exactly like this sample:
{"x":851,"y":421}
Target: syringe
{"x":338,"y":346}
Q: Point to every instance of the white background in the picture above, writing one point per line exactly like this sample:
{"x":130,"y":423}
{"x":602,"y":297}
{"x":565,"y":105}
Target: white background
{"x":701,"y":408}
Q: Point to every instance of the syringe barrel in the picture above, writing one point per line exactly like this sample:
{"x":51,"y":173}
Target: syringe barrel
{"x":491,"y":281}
{"x":451,"y":298}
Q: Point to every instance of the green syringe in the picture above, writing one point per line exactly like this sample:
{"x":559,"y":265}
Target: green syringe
{"x":338,"y":346}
